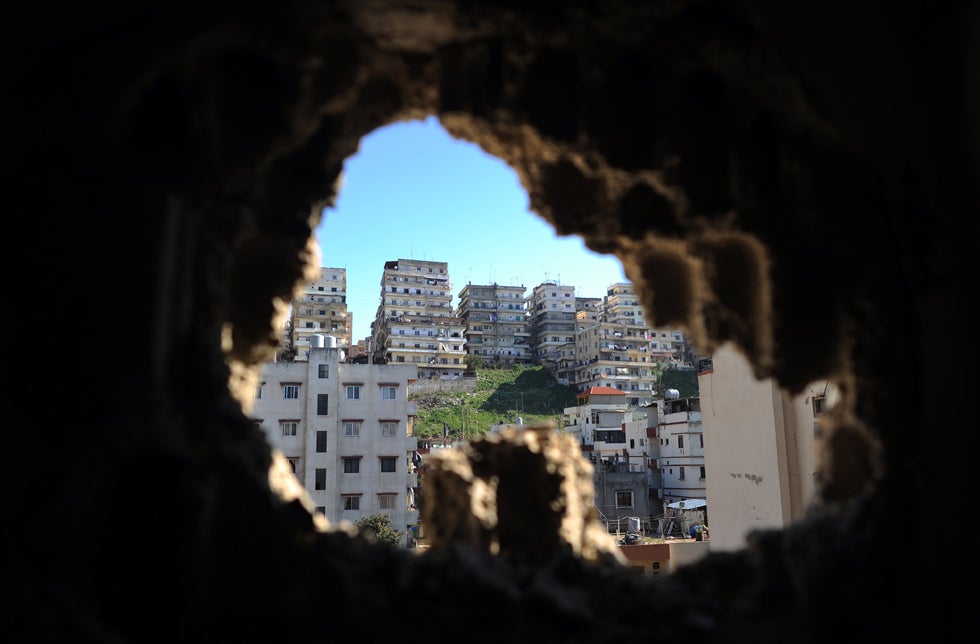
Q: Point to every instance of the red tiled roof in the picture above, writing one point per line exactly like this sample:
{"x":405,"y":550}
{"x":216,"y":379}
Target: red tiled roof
{"x":601,"y":391}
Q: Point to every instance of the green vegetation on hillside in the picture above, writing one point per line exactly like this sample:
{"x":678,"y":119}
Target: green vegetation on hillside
{"x":685,"y":381}
{"x":502,"y":395}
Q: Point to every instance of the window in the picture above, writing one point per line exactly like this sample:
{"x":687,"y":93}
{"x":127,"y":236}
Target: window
{"x":321,"y":509}
{"x":323,"y":371}
{"x":288,"y":427}
{"x":388,"y":463}
{"x":352,"y":428}
{"x":293,"y":462}
{"x":321,"y":441}
{"x":387,"y":392}
{"x":624,"y":499}
{"x":321,"y":479}
{"x":353,"y":392}
{"x":818,"y":405}
{"x":352,"y":464}
{"x":290,"y":392}
{"x":702,"y":472}
{"x":352,"y":501}
{"x":386,"y":501}
{"x":680,"y":442}
{"x":389,"y":428}
{"x":322,"y":401}
{"x":681,"y":473}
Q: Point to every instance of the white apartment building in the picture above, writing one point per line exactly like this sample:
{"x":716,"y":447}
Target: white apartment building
{"x":496,"y":323}
{"x":320,"y":309}
{"x":599,"y":423}
{"x":346,"y":430}
{"x":680,"y":443}
{"x":614,"y":439}
{"x":415,"y":322}
{"x":760,"y":448}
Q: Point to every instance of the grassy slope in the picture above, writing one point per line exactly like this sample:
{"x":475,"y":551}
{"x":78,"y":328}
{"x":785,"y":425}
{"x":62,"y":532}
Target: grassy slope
{"x":501,"y":396}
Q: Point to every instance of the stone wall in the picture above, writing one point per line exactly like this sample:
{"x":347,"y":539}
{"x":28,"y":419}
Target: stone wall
{"x":443,"y":386}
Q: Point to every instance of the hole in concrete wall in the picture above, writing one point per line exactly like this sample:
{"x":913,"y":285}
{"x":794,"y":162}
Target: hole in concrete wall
{"x":414,"y":192}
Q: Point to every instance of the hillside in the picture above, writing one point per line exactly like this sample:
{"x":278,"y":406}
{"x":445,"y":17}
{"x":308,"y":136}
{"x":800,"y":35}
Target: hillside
{"x":502,"y":395}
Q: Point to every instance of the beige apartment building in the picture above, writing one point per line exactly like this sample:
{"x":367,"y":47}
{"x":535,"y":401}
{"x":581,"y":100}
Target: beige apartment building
{"x":346,"y":430}
{"x":613,"y":347}
{"x":320,"y":309}
{"x":495,"y":323}
{"x":415,"y":322}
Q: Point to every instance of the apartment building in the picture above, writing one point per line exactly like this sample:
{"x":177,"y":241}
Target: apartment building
{"x":605,"y":427}
{"x":551,"y":308}
{"x":346,"y":430}
{"x":495,"y":323}
{"x":320,"y":309}
{"x":415,"y":322}
{"x":680,"y":449}
{"x":762,"y":442}
{"x":613,"y":347}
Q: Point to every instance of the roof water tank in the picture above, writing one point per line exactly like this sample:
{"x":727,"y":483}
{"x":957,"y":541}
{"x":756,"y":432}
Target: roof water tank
{"x":331,"y":341}
{"x":316,"y":341}
{"x":672,"y":394}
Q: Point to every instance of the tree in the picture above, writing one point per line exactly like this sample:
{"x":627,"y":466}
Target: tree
{"x":377,"y":527}
{"x":473,"y":362}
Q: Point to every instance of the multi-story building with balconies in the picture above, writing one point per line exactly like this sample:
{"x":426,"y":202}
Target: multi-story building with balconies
{"x":551,"y":308}
{"x":496,"y":324}
{"x":346,"y":430}
{"x":619,"y":350}
{"x":415,"y":322}
{"x":613,"y":437}
{"x":320,"y":309}
{"x":680,"y":442}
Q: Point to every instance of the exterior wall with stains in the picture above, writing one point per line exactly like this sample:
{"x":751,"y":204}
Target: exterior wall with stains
{"x":759,"y":448}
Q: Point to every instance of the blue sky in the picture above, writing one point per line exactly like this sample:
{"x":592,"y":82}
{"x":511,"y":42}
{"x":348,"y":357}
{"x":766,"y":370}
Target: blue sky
{"x":414,"y":192}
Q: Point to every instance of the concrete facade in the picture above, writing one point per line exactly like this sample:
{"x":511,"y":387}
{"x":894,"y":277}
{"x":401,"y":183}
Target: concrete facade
{"x":415,"y":322}
{"x":320,"y":309}
{"x":346,"y":431}
{"x":496,"y":323}
{"x":760,"y":448}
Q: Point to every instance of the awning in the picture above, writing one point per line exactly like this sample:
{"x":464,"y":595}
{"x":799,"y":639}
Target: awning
{"x":688,"y":504}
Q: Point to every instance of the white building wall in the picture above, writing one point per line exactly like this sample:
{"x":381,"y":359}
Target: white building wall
{"x":759,"y":449}
{"x":370,"y":409}
{"x":674,"y":428}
